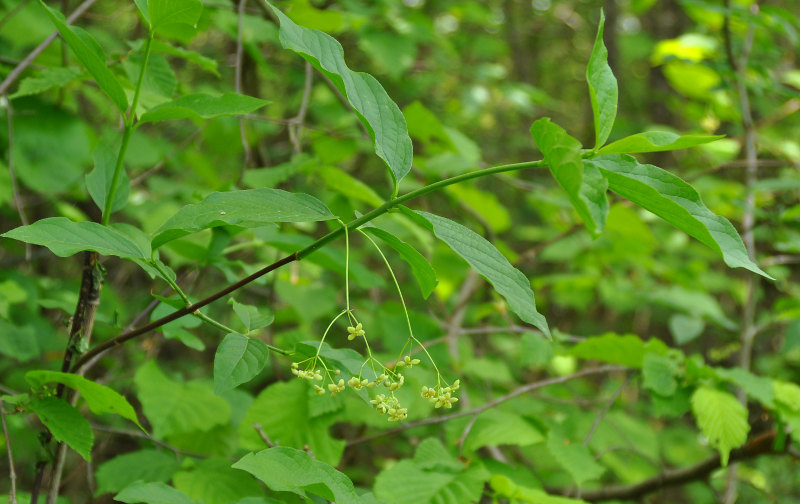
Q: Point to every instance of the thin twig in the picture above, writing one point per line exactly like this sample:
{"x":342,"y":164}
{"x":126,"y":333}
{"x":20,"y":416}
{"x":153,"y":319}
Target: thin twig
{"x":14,"y":186}
{"x":12,"y":475}
{"x":465,"y":433}
{"x":602,"y":414}
{"x":248,"y":154}
{"x":144,"y":435}
{"x":17,"y":71}
{"x":295,"y":124}
{"x":491,"y":404}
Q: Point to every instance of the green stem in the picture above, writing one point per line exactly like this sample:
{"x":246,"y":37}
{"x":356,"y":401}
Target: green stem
{"x":126,"y":136}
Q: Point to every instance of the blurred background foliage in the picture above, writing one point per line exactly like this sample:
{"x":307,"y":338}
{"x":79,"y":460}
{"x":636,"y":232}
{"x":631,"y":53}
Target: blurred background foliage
{"x":470,"y":77}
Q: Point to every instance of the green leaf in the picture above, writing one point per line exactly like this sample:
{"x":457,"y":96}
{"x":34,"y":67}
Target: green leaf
{"x":285,"y":469}
{"x":213,"y":481}
{"x":494,"y":427}
{"x":575,"y":458}
{"x":342,"y":182}
{"x":18,"y":342}
{"x":721,"y":418}
{"x":143,"y":465}
{"x":685,"y":329}
{"x":65,"y":423}
{"x":422,"y":269}
{"x":252,"y":318}
{"x":101,"y":399}
{"x":675,"y":201}
{"x":204,"y":62}
{"x":177,"y":329}
{"x":64,"y":238}
{"x":656,"y":141}
{"x":54,"y":77}
{"x":584,"y":184}
{"x":238,"y":360}
{"x":505,"y":487}
{"x":163,"y":13}
{"x":284,"y":412}
{"x":91,"y":55}
{"x":624,"y":349}
{"x":659,"y":373}
{"x":203,"y":106}
{"x":759,"y":388}
{"x":248,"y":208}
{"x":175,"y":408}
{"x":508,"y":281}
{"x":98,"y":181}
{"x":603,"y":90}
{"x":379,"y":114}
{"x":433,"y":476}
{"x":152,"y":493}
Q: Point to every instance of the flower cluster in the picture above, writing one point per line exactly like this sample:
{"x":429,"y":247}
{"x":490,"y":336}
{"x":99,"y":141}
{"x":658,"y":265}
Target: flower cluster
{"x":389,"y":406}
{"x":305,"y":374}
{"x":442,"y":397}
{"x":407,"y":361}
{"x":352,"y":332}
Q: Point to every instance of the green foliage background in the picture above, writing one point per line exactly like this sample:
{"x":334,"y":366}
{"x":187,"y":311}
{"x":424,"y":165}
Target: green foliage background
{"x":650,"y":329}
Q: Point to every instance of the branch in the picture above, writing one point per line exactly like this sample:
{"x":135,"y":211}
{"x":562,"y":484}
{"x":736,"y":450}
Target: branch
{"x":300,"y":254}
{"x":12,"y":77}
{"x":761,"y":445}
{"x":12,"y":175}
{"x":491,"y":404}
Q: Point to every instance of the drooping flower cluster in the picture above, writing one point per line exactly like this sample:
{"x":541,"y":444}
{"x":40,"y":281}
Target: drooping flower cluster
{"x":389,"y":406}
{"x":442,"y":397}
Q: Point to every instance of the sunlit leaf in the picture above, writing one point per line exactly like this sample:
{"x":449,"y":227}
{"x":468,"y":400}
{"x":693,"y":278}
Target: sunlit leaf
{"x":603,"y":90}
{"x":721,"y":418}
{"x":656,"y":141}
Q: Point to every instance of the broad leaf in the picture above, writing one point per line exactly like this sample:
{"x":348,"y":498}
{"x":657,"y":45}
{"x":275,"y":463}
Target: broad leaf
{"x":213,"y":481}
{"x":342,"y":182}
{"x":284,"y":412}
{"x":575,"y":458}
{"x":422,"y":269}
{"x":285,"y":469}
{"x":603,"y":90}
{"x":721,"y":418}
{"x":54,"y":77}
{"x":18,"y":342}
{"x":162,"y":13}
{"x":152,"y":493}
{"x":91,"y":55}
{"x":508,"y":281}
{"x":101,"y":399}
{"x":659,"y":372}
{"x":379,"y":114}
{"x":65,"y":423}
{"x":238,"y":360}
{"x":494,"y":427}
{"x":98,"y":181}
{"x":65,"y":237}
{"x":176,"y":408}
{"x":675,"y":201}
{"x":252,"y":318}
{"x":656,"y":141}
{"x":248,"y":208}
{"x":625,"y":349}
{"x":584,"y":185}
{"x":143,"y":465}
{"x":505,"y":487}
{"x":203,"y":106}
{"x":759,"y":388}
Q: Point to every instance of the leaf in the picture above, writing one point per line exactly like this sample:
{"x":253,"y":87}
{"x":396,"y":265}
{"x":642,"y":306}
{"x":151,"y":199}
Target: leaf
{"x":284,"y":412}
{"x":342,"y":182}
{"x":98,"y":181}
{"x":91,"y":55}
{"x":505,"y":487}
{"x":214,"y":481}
{"x":101,"y":399}
{"x":584,"y":185}
{"x":18,"y":342}
{"x":685,"y":329}
{"x":377,"y":112}
{"x":422,"y":269}
{"x":152,"y":493}
{"x":285,"y":469}
{"x":48,"y":78}
{"x":508,"y":281}
{"x":162,"y":13}
{"x":624,"y":349}
{"x":238,"y":360}
{"x":433,"y":476}
{"x":252,"y":318}
{"x":177,"y":329}
{"x":575,"y":458}
{"x":675,"y":201}
{"x":247,"y":208}
{"x":65,"y":423}
{"x":204,"y":62}
{"x":175,"y":408}
{"x":721,"y":418}
{"x":494,"y":428}
{"x":603,"y":90}
{"x":659,"y":373}
{"x":759,"y":388}
{"x":656,"y":141}
{"x":203,"y":106}
{"x":143,"y":465}
{"x":64,"y":238}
